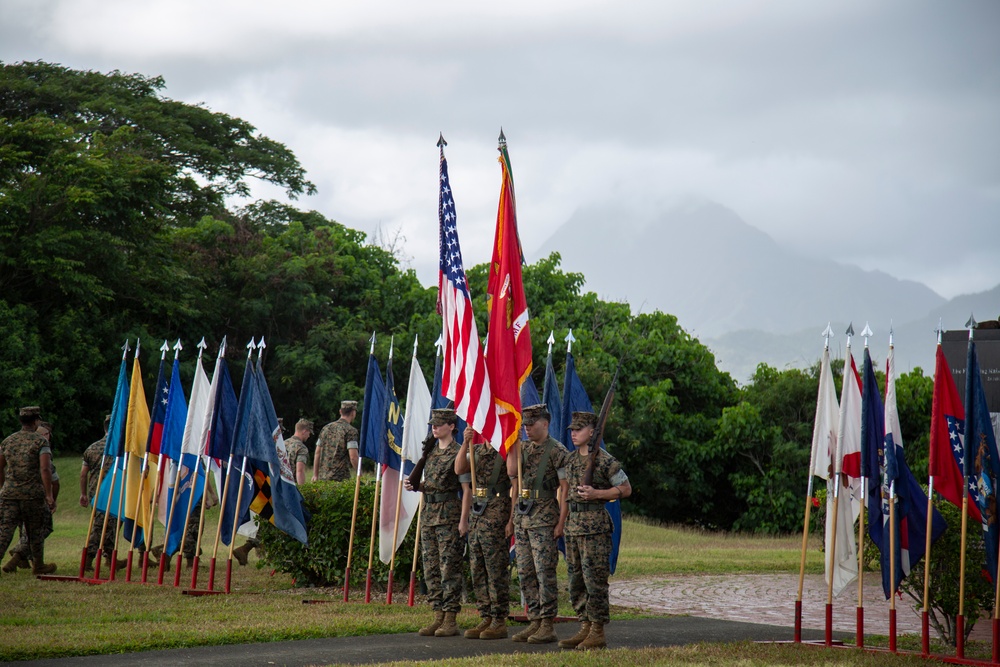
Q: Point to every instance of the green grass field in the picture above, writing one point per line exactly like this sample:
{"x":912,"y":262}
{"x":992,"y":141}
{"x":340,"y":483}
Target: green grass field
{"x":50,"y":619}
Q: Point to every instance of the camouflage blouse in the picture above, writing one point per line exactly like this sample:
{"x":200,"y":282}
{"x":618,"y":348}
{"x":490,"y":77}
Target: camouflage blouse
{"x":544,"y":511}
{"x":497,"y":511}
{"x":297,"y":452}
{"x":440,"y":480}
{"x":608,"y":473}
{"x":22,"y":452}
{"x":333,"y":442}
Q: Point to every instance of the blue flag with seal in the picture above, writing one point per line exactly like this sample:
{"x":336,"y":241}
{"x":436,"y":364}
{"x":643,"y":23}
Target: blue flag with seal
{"x":220,"y":443}
{"x":575,"y":399}
{"x":981,"y":459}
{"x":550,"y":397}
{"x":237,"y":506}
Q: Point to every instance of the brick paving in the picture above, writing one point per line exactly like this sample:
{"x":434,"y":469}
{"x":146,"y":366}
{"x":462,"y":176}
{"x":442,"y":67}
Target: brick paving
{"x":767,"y":599}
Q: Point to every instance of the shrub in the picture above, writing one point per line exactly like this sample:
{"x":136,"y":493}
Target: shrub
{"x":322,"y":563}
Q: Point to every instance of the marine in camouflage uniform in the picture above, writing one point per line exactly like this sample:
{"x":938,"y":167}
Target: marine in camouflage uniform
{"x":25,"y":477}
{"x":21,"y":553}
{"x":333,"y":459}
{"x":486,"y":515}
{"x":440,"y":540}
{"x":539,"y":518}
{"x":588,"y":533}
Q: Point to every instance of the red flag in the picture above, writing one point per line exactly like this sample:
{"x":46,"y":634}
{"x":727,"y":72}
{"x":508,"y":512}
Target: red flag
{"x":947,"y":438}
{"x":508,"y":348}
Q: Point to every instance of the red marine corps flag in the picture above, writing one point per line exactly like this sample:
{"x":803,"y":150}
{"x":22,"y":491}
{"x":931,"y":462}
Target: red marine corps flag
{"x":508,"y":348}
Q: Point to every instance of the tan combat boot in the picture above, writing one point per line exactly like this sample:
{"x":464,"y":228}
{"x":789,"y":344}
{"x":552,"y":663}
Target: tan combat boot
{"x":545,"y":634}
{"x":241,"y":553}
{"x":595,"y":639}
{"x":497,"y":630}
{"x":449,"y":628}
{"x":11,"y":566}
{"x":48,"y":568}
{"x":523,"y":635}
{"x":429,"y":630}
{"x":573,"y":641}
{"x":474,"y":633}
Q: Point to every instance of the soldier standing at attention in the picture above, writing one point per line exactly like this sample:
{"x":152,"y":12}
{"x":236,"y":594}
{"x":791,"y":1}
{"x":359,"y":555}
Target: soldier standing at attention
{"x":440,"y":539}
{"x":588,"y":532}
{"x":538,"y":521}
{"x":20,"y":555}
{"x":337,"y":447}
{"x":25,"y":485}
{"x":487,"y":518}
{"x":298,"y":454}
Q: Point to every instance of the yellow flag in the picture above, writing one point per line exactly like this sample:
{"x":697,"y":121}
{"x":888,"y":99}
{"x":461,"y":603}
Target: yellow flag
{"x":136,"y":434}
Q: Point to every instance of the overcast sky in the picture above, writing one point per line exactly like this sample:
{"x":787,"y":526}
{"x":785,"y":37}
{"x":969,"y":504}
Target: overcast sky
{"x":866,"y":132}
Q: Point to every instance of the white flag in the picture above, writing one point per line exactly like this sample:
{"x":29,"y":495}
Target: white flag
{"x":847,"y":461}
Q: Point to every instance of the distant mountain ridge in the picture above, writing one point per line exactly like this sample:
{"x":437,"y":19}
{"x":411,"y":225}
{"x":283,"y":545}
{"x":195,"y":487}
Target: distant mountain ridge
{"x":737,"y":290}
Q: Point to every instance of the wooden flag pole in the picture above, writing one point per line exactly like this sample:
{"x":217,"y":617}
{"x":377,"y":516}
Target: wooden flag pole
{"x":371,"y":543}
{"x":236,"y":525}
{"x":925,"y":639}
{"x":138,"y":509}
{"x":107,"y":513}
{"x":218,"y":528}
{"x":112,"y":569}
{"x":93,"y":514}
{"x":828,"y":634}
{"x":892,"y":566}
{"x":802,"y":563}
{"x":161,"y":465}
{"x":201,"y":524}
{"x":395,"y":530}
{"x":960,"y":619}
{"x":354,"y":520}
{"x":187,"y":519}
{"x":416,"y":553}
{"x":860,"y":633}
{"x":164,"y":556}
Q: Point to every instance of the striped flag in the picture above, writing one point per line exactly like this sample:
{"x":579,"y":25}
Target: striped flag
{"x":463,"y":376}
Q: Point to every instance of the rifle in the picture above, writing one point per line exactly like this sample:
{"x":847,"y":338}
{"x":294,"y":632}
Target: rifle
{"x":418,"y":468}
{"x":602,"y":419}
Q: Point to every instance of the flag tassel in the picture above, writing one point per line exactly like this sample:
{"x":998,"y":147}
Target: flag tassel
{"x":350,"y":540}
{"x":416,"y":547}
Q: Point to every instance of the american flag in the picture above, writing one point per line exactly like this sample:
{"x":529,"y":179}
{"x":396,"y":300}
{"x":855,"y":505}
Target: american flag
{"x":464,"y":379}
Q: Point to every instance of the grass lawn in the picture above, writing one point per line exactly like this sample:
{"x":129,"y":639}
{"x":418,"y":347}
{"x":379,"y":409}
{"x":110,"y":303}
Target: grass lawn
{"x":50,"y":619}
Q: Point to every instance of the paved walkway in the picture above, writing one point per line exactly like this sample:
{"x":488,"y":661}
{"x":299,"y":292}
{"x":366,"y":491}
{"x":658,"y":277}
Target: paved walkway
{"x":766,"y":598}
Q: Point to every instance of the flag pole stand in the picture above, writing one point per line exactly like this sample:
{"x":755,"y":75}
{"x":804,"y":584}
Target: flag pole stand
{"x":416,"y":547}
{"x":354,"y":519}
{"x":229,"y":575}
{"x":802,"y":564}
{"x":83,"y":558}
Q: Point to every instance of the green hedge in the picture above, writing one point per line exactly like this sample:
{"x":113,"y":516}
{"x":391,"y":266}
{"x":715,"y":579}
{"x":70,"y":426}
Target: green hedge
{"x":322,"y":563}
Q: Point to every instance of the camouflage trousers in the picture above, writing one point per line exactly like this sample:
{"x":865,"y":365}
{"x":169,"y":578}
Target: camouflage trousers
{"x":490,"y":562}
{"x":23,"y":549}
{"x":95,"y":535}
{"x":14,"y":513}
{"x":537,"y":557}
{"x":588,"y":568}
{"x":441,"y":555}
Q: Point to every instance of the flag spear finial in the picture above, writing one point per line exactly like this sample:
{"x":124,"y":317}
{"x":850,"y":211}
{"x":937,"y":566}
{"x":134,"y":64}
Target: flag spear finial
{"x":971,"y":324}
{"x":251,"y":346}
{"x":164,"y":349}
{"x":372,"y":341}
{"x":137,"y":341}
{"x":392,"y":341}
{"x":867,"y":333}
{"x":260,"y":348}
{"x":177,"y":349}
{"x":551,"y":341}
{"x":441,"y":142}
{"x":439,"y":344}
{"x":849,"y":333}
{"x":502,"y":139}
{"x":222,"y":348}
{"x":890,"y":334}
{"x":827,"y":334}
{"x":940,"y":329}
{"x":125,"y":349}
{"x":414,"y":345}
{"x":202,"y":346}
{"x":570,"y":339}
